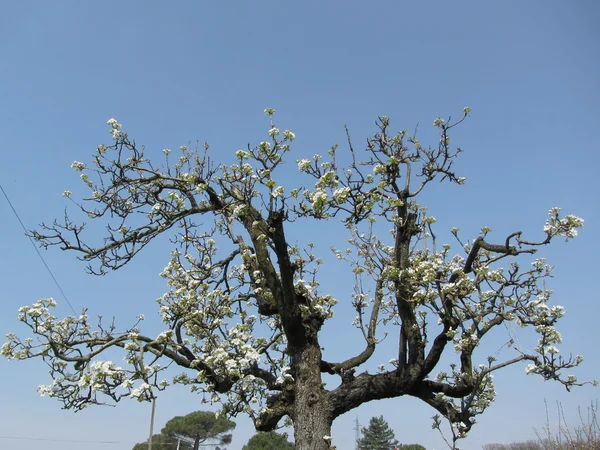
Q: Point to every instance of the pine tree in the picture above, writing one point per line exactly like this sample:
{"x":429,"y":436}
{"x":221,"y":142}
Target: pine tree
{"x":269,"y":441}
{"x":377,"y":436}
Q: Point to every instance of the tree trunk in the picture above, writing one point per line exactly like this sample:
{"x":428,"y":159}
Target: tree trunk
{"x":312,"y":412}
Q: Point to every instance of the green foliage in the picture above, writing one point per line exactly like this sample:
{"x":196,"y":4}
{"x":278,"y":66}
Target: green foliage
{"x":200,"y":424}
{"x":377,"y":436}
{"x":160,"y":442}
{"x":269,"y":441}
{"x":412,"y":447}
{"x":192,"y":430}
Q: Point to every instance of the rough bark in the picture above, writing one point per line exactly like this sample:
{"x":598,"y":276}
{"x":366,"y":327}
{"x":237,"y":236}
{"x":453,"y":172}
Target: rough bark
{"x":312,"y":412}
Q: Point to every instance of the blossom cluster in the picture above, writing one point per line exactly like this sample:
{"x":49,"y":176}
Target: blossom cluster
{"x":566,"y":227}
{"x":115,"y":128}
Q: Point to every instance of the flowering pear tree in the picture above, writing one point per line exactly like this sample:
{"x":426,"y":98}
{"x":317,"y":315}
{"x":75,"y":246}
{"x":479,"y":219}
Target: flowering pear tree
{"x":244,"y":310}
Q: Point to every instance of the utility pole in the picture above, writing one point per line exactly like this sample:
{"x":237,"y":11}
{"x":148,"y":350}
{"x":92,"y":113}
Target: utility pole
{"x":356,"y":433}
{"x":152,"y":424}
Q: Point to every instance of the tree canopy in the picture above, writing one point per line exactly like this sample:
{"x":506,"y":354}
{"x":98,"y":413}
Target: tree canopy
{"x":269,"y":440}
{"x":377,"y":436}
{"x":192,"y":430}
{"x":162,"y":442}
{"x":244,"y":309}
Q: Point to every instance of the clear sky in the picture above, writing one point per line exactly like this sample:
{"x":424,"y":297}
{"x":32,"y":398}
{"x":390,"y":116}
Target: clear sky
{"x":174,"y":72}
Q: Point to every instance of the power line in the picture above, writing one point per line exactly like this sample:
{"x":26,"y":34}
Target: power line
{"x":37,"y":250}
{"x":21,"y":438}
{"x":78,"y":441}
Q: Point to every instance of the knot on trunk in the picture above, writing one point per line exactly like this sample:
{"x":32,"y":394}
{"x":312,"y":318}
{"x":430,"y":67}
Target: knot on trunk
{"x":313,"y":398}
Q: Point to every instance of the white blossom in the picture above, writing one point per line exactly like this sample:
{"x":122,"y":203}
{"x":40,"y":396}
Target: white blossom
{"x":277,"y":192}
{"x":304,"y":164}
{"x":241,"y":154}
{"x":115,"y":128}
{"x":77,"y":166}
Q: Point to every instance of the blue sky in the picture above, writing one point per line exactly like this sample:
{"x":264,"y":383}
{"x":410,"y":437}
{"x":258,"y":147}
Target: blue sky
{"x":193,"y":70}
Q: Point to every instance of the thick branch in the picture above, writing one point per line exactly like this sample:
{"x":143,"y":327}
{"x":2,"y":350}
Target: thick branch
{"x":355,"y":361}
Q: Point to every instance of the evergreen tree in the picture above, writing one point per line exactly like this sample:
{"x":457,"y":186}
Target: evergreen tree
{"x":162,"y":442}
{"x":269,"y":441}
{"x":377,"y":436}
{"x":200,"y":428}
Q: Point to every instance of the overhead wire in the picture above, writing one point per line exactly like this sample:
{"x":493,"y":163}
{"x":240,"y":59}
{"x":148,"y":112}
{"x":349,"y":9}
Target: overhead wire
{"x":70,"y":306}
{"x":37,"y":250}
{"x":40,"y":255}
{"x":22,"y":438}
{"x":80,"y":441}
